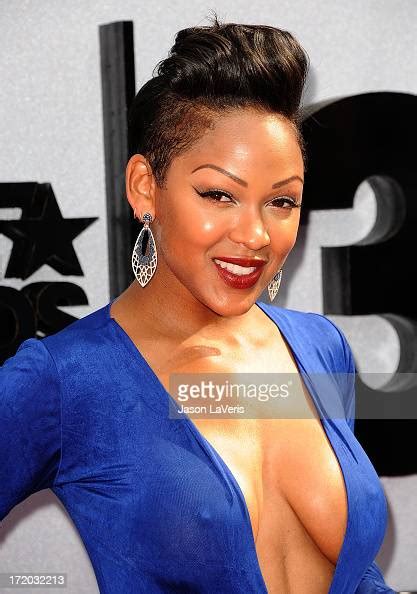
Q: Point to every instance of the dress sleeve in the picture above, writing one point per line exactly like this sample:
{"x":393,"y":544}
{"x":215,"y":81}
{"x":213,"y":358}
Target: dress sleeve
{"x":346,"y":370}
{"x":349,"y":392}
{"x":372,"y":581}
{"x":30,"y":423}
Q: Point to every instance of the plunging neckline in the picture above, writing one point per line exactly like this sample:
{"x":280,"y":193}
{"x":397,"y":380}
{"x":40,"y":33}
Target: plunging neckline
{"x":214,"y":454}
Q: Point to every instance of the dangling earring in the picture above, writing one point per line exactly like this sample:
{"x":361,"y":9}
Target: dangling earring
{"x":144,"y":265}
{"x":274,"y":285}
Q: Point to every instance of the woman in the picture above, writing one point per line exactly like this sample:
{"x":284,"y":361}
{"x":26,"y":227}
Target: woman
{"x":209,"y":504}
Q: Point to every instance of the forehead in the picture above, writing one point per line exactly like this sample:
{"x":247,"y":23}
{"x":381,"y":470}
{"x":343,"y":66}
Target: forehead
{"x":249,"y":138}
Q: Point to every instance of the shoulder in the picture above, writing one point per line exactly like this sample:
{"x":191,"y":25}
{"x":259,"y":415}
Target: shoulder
{"x":38,"y":362}
{"x":65,"y":358}
{"x":30,"y":367}
{"x":78,"y":336}
{"x":316,"y":333}
{"x":92,"y":321}
{"x":30,"y":423}
{"x":311,"y":324}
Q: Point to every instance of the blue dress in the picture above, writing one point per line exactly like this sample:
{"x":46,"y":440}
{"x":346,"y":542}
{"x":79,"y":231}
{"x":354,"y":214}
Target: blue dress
{"x":158,"y":509}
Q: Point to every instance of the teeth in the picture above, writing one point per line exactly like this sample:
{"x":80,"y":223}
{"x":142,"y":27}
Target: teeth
{"x":235,"y":268}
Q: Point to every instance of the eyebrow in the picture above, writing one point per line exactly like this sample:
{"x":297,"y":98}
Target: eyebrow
{"x":241,"y":181}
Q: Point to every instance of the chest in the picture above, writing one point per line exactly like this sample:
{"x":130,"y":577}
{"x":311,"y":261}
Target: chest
{"x":179,"y":513}
{"x":289,"y":476}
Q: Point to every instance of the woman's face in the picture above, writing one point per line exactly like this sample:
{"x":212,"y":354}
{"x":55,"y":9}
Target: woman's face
{"x":252,"y":163}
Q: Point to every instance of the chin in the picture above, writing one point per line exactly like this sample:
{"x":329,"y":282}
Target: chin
{"x":229,"y":307}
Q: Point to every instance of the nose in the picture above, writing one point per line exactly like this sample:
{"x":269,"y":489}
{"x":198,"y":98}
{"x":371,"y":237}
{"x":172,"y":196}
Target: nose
{"x":250,"y":231}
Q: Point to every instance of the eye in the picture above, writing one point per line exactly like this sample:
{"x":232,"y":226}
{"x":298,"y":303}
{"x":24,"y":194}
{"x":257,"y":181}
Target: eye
{"x":215,"y":195}
{"x":278,"y":202}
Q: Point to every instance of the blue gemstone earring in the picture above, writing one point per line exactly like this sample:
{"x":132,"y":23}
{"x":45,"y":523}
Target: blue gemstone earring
{"x":273,"y":286}
{"x":144,"y":260}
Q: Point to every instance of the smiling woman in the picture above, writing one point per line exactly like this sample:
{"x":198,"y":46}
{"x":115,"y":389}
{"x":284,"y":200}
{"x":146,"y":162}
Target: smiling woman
{"x":230,"y":504}
{"x":251,"y":216}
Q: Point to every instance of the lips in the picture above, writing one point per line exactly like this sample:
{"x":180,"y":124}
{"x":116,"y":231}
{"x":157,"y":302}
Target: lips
{"x":235,"y":281}
{"x":242,"y":261}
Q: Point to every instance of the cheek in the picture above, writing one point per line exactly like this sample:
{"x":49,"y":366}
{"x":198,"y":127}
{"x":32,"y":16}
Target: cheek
{"x":284,"y":235}
{"x":205,"y":230}
{"x":195,"y":226}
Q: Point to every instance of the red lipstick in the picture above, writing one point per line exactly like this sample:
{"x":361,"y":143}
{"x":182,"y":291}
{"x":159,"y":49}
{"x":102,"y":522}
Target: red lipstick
{"x":244,"y":281}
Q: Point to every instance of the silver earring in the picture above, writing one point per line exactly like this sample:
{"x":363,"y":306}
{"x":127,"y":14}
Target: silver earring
{"x":273,"y":286}
{"x":143,"y":264}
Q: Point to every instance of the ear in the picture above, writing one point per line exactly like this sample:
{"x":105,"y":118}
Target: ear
{"x":140,"y":186}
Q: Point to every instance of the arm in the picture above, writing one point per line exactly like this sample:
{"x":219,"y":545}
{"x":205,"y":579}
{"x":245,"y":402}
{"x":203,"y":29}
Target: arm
{"x":30,"y":424}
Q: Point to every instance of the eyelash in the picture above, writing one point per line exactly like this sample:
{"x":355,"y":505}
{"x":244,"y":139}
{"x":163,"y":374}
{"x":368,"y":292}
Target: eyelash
{"x":210,"y":195}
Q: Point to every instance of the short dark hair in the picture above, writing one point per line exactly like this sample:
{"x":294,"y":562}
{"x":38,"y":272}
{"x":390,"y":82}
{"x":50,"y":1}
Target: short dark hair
{"x":208,"y":70}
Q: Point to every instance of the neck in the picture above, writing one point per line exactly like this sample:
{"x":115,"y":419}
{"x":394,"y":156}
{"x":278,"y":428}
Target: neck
{"x":167,"y":307}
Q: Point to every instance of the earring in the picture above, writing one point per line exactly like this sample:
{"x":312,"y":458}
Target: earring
{"x":273,"y":286}
{"x":144,"y":265}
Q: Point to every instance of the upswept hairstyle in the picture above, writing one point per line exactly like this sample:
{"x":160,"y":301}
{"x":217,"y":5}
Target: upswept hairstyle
{"x":208,"y":70}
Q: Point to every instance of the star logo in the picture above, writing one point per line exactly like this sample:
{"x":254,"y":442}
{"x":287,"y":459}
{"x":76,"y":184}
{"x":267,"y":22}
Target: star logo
{"x":42,"y":235}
